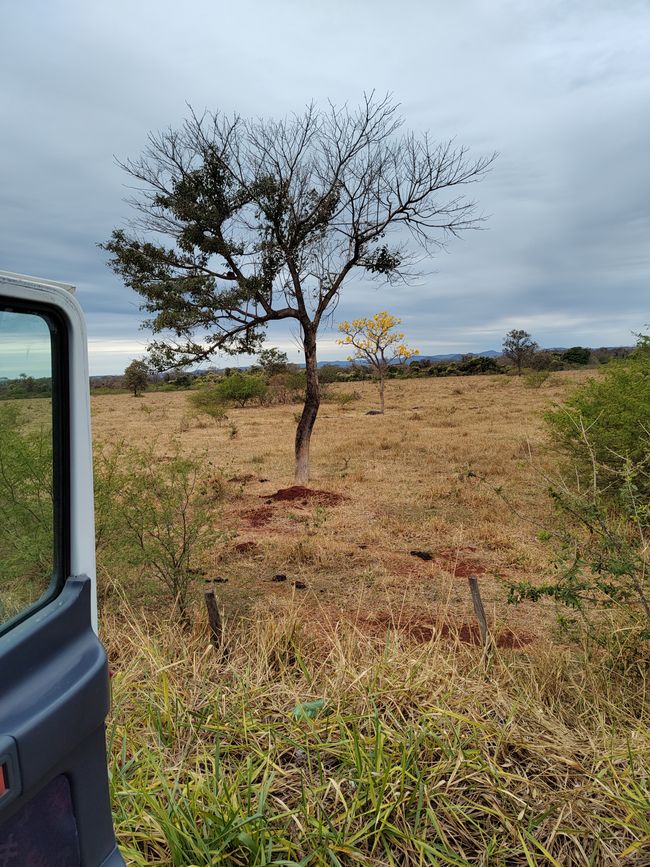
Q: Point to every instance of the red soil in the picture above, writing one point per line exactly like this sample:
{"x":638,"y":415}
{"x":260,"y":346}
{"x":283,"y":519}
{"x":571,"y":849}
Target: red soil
{"x":422,"y":630}
{"x":302,"y":494}
{"x":258,"y":517}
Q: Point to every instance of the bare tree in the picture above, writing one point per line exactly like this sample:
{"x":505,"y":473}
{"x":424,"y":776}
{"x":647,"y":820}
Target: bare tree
{"x":519,"y":347}
{"x":264,"y":220}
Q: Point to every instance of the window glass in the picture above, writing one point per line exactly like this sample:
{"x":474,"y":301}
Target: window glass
{"x":27,"y":495}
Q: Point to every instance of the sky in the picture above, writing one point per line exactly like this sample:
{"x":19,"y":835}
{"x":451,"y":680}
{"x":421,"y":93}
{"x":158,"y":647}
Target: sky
{"x":560,"y":89}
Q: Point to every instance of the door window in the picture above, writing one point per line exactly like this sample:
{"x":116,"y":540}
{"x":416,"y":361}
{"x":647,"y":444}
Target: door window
{"x":30,"y":537}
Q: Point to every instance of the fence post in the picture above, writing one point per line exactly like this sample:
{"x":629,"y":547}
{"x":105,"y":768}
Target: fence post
{"x":479,"y":611}
{"x":214,"y":619}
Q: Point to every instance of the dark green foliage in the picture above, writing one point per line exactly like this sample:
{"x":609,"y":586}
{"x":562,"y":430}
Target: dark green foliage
{"x":136,"y":376}
{"x":273,"y":361}
{"x":577,"y":355}
{"x":25,"y":387}
{"x":469,"y":365}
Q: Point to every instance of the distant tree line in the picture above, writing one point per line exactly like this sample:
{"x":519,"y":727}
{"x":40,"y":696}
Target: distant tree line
{"x":24,"y":386}
{"x":272,"y":378}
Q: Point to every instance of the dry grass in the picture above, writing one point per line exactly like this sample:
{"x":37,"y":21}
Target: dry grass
{"x":427,"y":755}
{"x":427,"y":750}
{"x":422,"y":477}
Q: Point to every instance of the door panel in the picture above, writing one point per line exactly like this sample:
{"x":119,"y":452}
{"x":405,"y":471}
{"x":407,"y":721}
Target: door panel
{"x":54,"y":687}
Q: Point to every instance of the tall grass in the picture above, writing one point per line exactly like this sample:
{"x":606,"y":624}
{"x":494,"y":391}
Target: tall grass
{"x":419,"y":754}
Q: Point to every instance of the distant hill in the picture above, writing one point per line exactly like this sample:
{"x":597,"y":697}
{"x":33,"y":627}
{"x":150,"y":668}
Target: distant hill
{"x":453,"y":356}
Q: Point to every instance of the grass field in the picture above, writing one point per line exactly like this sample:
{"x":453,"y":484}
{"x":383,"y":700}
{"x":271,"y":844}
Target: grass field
{"x":421,"y":749}
{"x":420,"y":478}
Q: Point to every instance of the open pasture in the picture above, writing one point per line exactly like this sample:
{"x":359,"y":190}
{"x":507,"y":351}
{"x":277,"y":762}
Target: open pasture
{"x":421,"y":478}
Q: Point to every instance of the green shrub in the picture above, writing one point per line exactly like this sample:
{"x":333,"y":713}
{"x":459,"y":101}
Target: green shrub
{"x":604,"y":425}
{"x":287,"y":387}
{"x":241,"y":388}
{"x":536,"y":378}
{"x":154,"y":516}
{"x":209,"y":400}
{"x":603,"y":501}
{"x":26,"y":510}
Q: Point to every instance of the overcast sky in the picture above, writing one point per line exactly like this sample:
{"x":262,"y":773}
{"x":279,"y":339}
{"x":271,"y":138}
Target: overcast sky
{"x":560,"y":89}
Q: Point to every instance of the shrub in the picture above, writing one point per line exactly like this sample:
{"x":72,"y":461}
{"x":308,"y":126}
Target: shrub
{"x":287,"y":387}
{"x":153,"y":515}
{"x":208,"y":399}
{"x":536,"y":378}
{"x":604,"y":506}
{"x":604,"y":424}
{"x":577,"y":355}
{"x":26,"y":541}
{"x":602,"y":564}
{"x":240,"y":388}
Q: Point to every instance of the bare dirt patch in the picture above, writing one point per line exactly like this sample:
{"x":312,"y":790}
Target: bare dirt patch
{"x":420,"y":630}
{"x":258,"y":517}
{"x":247,"y":548}
{"x":298,"y":493}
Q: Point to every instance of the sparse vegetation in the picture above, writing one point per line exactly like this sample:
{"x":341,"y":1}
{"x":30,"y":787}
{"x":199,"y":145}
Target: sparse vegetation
{"x":415,"y":745}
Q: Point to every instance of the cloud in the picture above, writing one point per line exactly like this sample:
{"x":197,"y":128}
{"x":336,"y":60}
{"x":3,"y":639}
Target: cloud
{"x":559,"y":89}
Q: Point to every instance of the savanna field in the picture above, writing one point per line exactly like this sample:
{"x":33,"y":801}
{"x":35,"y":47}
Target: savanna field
{"x":351,"y":715}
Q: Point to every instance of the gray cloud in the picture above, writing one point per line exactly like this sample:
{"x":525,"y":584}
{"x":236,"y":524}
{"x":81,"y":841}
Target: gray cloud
{"x":559,"y":89}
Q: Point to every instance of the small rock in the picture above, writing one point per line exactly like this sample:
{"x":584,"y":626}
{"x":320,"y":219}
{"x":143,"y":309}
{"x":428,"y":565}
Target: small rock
{"x":279,"y":578}
{"x":300,"y":585}
{"x":219,"y":580}
{"x":423,"y":555}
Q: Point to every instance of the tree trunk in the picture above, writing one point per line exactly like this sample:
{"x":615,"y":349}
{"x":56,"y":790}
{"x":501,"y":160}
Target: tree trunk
{"x":310,"y":409}
{"x":381,"y":390}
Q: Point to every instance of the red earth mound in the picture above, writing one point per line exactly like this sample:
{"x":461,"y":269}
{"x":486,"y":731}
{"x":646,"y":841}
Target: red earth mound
{"x":304,"y":495}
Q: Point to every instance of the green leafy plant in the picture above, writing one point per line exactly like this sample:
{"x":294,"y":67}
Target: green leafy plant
{"x":605,"y":425}
{"x":26,"y":508}
{"x":154,"y":516}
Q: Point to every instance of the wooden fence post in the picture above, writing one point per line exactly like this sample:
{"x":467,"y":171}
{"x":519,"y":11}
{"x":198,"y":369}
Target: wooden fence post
{"x":478,"y":607}
{"x":214,"y":618}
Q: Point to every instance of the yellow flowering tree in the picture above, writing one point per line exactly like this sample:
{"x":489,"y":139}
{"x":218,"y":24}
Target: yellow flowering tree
{"x":376,"y":342}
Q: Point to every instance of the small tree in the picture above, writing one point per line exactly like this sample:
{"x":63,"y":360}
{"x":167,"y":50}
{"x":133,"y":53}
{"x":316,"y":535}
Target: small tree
{"x":273,"y":361}
{"x":136,"y":376}
{"x":577,"y":355}
{"x":247,"y":222}
{"x":519,"y":347}
{"x":240,"y":388}
{"x":376,"y":342}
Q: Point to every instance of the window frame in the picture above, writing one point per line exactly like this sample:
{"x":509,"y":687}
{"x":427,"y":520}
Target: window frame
{"x":59,"y":353}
